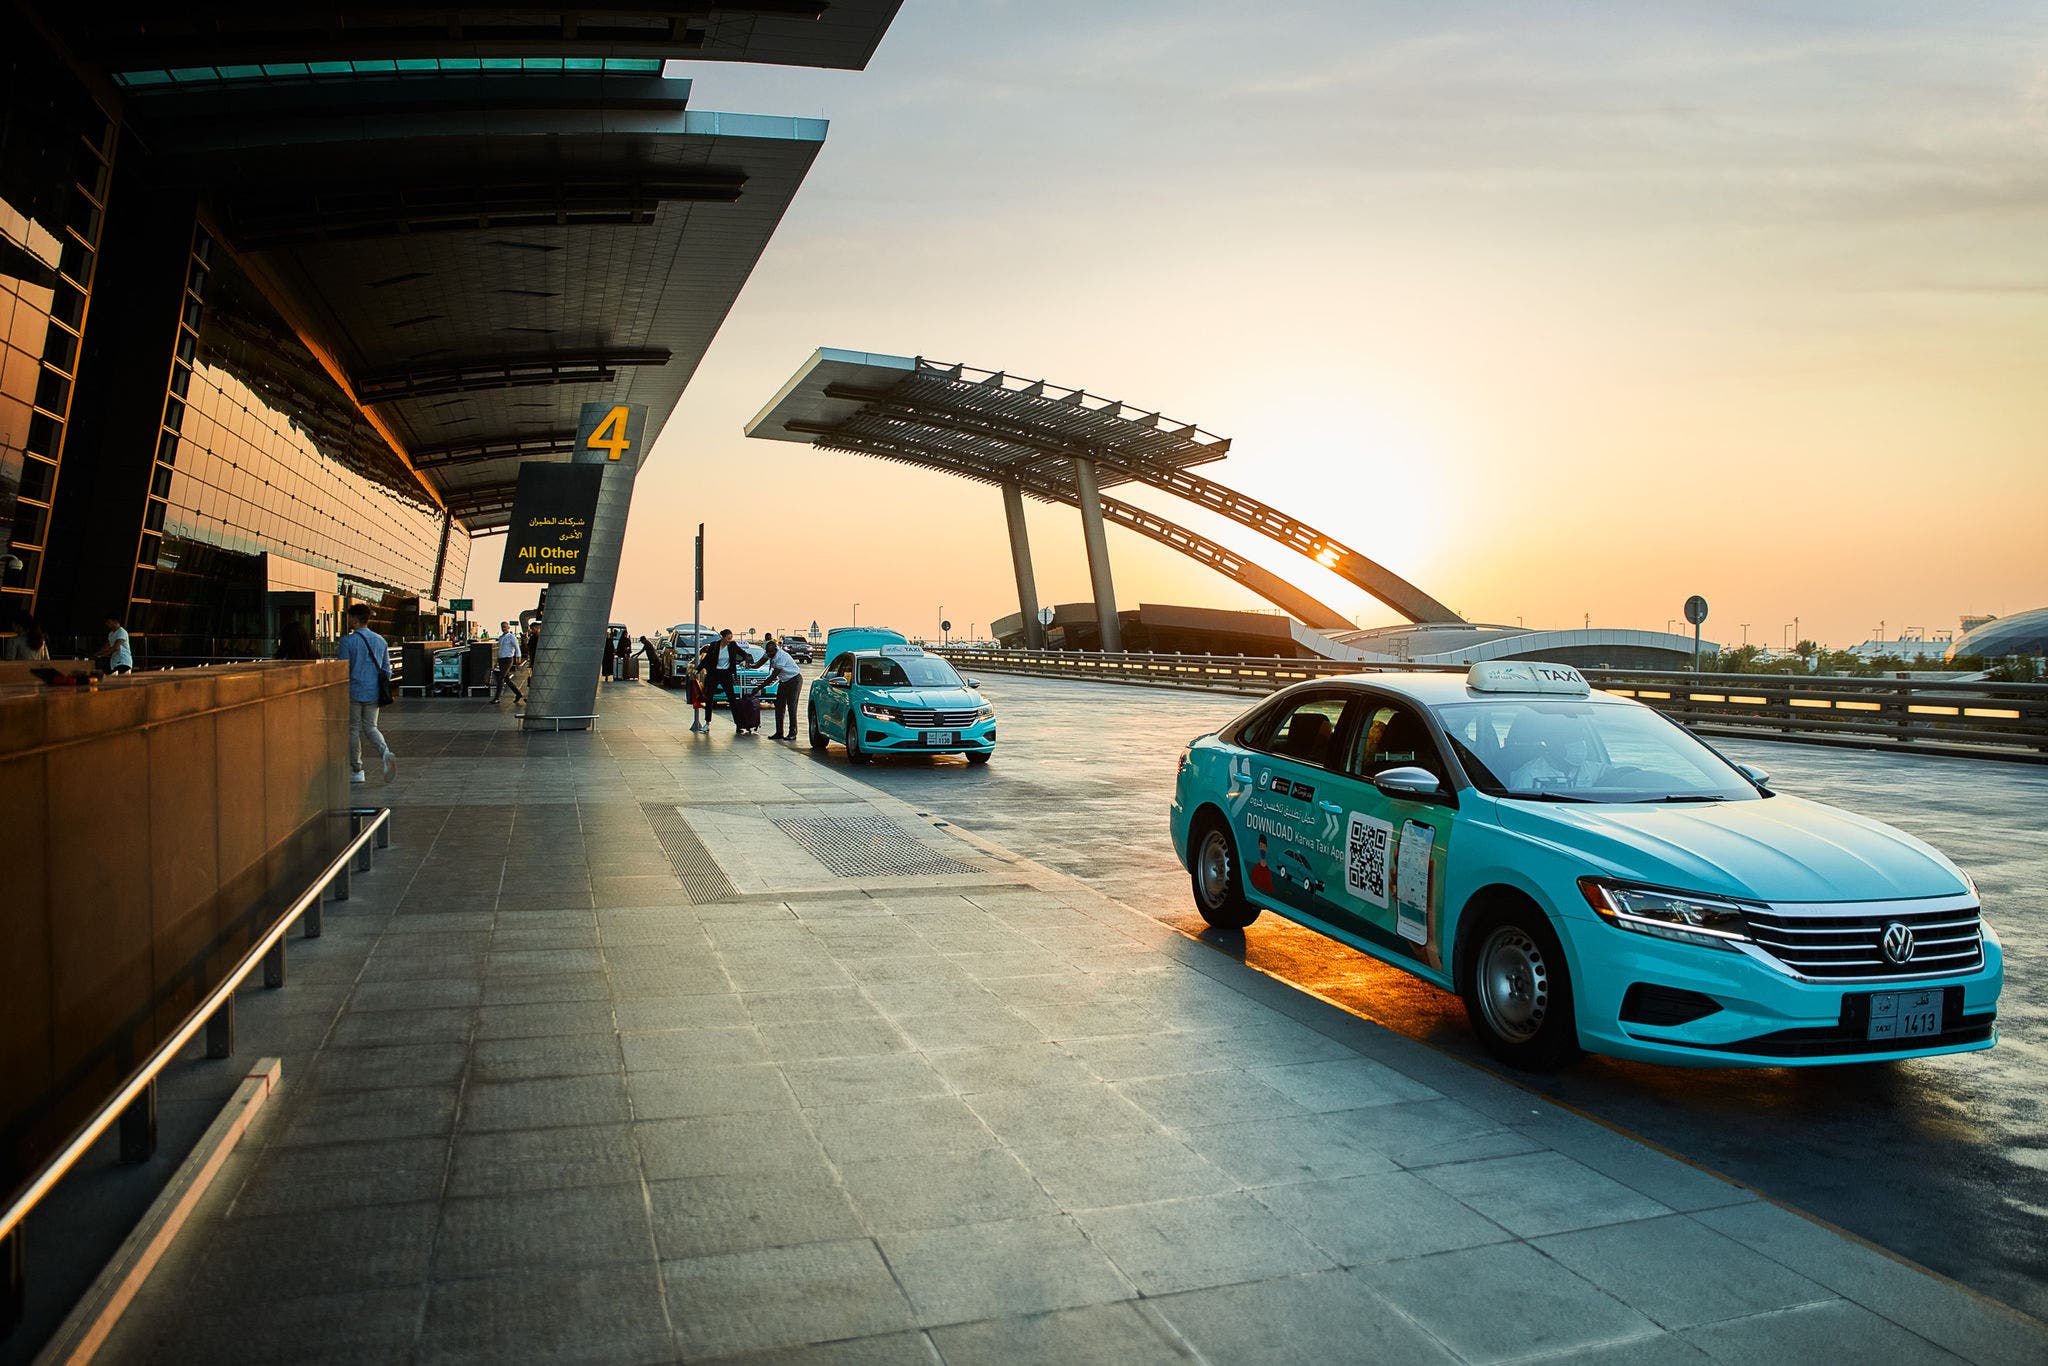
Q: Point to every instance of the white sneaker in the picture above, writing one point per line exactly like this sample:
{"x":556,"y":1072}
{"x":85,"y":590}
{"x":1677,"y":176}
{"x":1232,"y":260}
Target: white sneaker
{"x":358,"y":776}
{"x":390,"y":765}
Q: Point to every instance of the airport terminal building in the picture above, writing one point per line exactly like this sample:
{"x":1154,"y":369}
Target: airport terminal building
{"x":286,"y":299}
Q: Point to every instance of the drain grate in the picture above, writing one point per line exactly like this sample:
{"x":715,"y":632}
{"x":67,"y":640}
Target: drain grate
{"x":704,"y":882}
{"x":868,"y":846}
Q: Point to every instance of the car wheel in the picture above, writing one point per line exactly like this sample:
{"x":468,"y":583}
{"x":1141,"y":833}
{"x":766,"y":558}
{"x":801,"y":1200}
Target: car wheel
{"x":979,"y":756}
{"x":818,"y":740}
{"x":854,"y":753}
{"x":1212,"y":867}
{"x":1518,"y":990}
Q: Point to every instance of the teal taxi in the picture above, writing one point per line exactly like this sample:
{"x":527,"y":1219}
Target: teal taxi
{"x":1585,"y":873}
{"x":893,"y":698}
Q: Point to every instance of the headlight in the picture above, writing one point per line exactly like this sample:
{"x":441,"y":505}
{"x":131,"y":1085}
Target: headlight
{"x":1708,"y":921}
{"x":985,"y":714}
{"x":879,"y":712}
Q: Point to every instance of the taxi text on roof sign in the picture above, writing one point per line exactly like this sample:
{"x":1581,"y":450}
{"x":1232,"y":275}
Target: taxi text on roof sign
{"x":1505,"y":675}
{"x":902,"y":649}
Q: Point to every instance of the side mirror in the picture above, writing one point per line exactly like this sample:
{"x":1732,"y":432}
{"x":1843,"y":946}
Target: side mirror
{"x":973,"y":683}
{"x":1410,"y":784}
{"x":837,"y":681}
{"x":1761,"y":777}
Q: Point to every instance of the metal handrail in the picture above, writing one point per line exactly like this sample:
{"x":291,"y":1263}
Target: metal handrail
{"x":372,"y":821}
{"x":1993,"y":719}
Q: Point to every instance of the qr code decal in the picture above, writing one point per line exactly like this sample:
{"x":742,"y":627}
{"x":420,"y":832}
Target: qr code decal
{"x":1365,"y":858}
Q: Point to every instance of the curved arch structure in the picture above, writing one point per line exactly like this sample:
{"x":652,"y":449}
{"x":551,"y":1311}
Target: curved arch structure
{"x":1061,"y":445}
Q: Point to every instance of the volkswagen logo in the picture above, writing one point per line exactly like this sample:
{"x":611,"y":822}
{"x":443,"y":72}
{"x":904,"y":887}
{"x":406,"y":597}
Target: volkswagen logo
{"x":1898,"y":942}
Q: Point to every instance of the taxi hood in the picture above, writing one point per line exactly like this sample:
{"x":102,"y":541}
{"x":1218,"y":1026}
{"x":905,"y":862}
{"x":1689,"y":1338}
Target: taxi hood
{"x":1779,"y":849}
{"x":948,"y":699}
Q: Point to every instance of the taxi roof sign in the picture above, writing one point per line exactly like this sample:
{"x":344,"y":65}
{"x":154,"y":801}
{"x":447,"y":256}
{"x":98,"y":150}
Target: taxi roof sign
{"x":901,"y":650}
{"x":1514,"y":675}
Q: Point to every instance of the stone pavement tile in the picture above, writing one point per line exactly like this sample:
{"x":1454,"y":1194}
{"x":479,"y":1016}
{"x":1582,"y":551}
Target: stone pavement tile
{"x":776,"y":972}
{"x":1195,"y":1098}
{"x":1001,"y":1269}
{"x":1659,"y":1349}
{"x":317,"y":1252}
{"x":1208,"y":1240}
{"x":544,"y":1103}
{"x":353,"y":1116}
{"x":1425,"y":1133}
{"x":420,"y":995}
{"x":1835,"y":1331}
{"x":514,"y":936}
{"x":701,"y":978}
{"x":923,"y":969}
{"x":1048,"y":986}
{"x":906,"y":1000}
{"x":366,"y":1326}
{"x":650,"y":925}
{"x":1091,"y":1018}
{"x":1935,"y":1309}
{"x":989,"y":1024}
{"x":1121,"y":1334}
{"x":568,"y":986}
{"x":1304,"y":1148}
{"x":1127,"y":1057}
{"x":879,"y":1129}
{"x":782,"y":1297}
{"x":901,"y":1193}
{"x":1351,"y":1084}
{"x":614,"y":1316}
{"x":588,"y":1226}
{"x":382,"y":1028}
{"x":651,"y":1014}
{"x":1507,"y":1300}
{"x":1378,"y":1218}
{"x":989,"y":965}
{"x":544,"y":1019}
{"x":708,"y":1091}
{"x":702,"y":1215}
{"x":1537,"y":1193}
{"x":1680,"y":1272}
{"x":660,"y":889}
{"x":803,"y":1007}
{"x":867,"y":937}
{"x":543,"y":1159}
{"x":1663,"y":1178}
{"x":1008,"y":1066}
{"x":720,"y":1145}
{"x":838,"y":1039}
{"x":1135,"y":1169}
{"x":379,"y":1069}
{"x":544,"y":962}
{"x":838,"y":908}
{"x":1313,"y":1320}
{"x":843,"y":1081}
{"x":438,"y":923}
{"x":557,"y":1055}
{"x":674,"y":1049}
{"x":1038,"y":1115}
{"x":558,"y":894}
{"x":343,"y":1175}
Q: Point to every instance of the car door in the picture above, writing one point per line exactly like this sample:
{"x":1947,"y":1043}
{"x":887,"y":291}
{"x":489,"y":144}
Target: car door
{"x":1288,"y":832}
{"x":833,"y":698}
{"x":1395,"y":848}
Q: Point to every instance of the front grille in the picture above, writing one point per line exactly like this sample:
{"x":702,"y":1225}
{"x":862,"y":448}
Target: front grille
{"x":926,"y":716}
{"x":1846,"y":943}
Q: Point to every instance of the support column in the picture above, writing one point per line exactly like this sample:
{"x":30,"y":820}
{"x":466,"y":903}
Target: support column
{"x":1108,"y":629}
{"x":1020,"y":560}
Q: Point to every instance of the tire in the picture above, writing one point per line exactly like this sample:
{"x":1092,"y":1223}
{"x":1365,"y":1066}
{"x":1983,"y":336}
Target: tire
{"x":1213,"y":873}
{"x":818,"y":738}
{"x":979,"y":756}
{"x":1518,"y":990}
{"x":854,"y":753}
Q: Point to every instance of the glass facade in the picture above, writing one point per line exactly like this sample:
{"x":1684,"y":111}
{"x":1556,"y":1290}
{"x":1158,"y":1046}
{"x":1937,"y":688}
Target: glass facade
{"x":276,"y":72}
{"x":55,"y":146}
{"x":263,"y":457}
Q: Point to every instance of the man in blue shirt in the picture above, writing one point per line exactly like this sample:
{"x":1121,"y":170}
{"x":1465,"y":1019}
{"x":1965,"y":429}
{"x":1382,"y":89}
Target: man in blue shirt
{"x":369,"y":663}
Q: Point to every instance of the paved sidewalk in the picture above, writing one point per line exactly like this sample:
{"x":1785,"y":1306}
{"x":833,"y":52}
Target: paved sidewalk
{"x":642,"y":1046}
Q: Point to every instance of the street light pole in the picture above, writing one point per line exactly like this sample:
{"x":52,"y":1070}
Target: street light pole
{"x":942,"y":623}
{"x":856,"y":614}
{"x":1745,"y":635}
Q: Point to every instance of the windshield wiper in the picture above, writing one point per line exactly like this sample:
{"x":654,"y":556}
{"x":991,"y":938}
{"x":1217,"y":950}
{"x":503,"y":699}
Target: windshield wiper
{"x":1553,"y":797}
{"x":1689,"y":797}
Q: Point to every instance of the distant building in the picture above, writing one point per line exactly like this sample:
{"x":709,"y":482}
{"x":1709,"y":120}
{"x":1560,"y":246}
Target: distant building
{"x":2022,"y":633}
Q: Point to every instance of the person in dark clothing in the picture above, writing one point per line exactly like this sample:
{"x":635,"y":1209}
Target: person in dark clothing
{"x":788,"y":681}
{"x":295,"y":641}
{"x":656,"y":674}
{"x":723,"y":661}
{"x":611,"y":655}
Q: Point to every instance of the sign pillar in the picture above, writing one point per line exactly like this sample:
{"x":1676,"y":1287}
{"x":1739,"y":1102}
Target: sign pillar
{"x":609,"y":443}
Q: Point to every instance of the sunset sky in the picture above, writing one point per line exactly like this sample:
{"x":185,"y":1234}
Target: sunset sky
{"x":1556,"y":309}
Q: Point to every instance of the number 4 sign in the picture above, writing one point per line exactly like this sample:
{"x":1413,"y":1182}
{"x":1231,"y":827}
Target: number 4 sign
{"x":610,"y":431}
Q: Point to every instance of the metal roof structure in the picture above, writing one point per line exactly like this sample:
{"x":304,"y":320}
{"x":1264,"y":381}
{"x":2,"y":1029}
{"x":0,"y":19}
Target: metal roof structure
{"x":480,"y":217}
{"x":997,"y":428}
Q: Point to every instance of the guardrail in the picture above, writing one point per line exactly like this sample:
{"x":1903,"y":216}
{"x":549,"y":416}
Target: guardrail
{"x":1996,"y":720}
{"x":133,"y":1103}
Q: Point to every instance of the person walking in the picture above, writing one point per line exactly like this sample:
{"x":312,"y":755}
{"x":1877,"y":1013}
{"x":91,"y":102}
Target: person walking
{"x":788,"y":681}
{"x":724,"y":660}
{"x":509,"y":656}
{"x":120,"y":658}
{"x":295,"y":641}
{"x":369,"y":666}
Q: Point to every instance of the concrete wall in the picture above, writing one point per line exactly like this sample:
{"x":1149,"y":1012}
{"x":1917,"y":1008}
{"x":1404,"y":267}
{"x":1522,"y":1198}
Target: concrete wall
{"x":135,"y":820}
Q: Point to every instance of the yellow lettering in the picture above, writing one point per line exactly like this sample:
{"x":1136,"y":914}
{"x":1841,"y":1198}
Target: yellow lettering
{"x":610,"y":434}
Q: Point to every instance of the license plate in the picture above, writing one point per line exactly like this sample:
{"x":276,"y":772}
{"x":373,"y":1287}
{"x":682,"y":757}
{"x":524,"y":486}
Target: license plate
{"x":1904,"y":1015}
{"x":941,"y":737}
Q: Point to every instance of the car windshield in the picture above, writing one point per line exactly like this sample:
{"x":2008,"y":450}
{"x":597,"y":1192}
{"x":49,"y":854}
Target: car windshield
{"x":1558,"y":750}
{"x":907,"y":671}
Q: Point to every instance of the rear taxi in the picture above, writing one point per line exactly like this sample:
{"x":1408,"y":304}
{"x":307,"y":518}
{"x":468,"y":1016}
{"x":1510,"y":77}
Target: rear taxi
{"x":896,"y":699}
{"x":1585,"y":873}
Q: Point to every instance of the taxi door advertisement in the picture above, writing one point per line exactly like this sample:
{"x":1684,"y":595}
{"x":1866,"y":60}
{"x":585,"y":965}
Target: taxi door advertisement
{"x":1394,"y":876}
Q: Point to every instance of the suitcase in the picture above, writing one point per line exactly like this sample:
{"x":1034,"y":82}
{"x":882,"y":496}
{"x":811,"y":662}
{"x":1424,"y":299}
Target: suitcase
{"x":746,"y":712}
